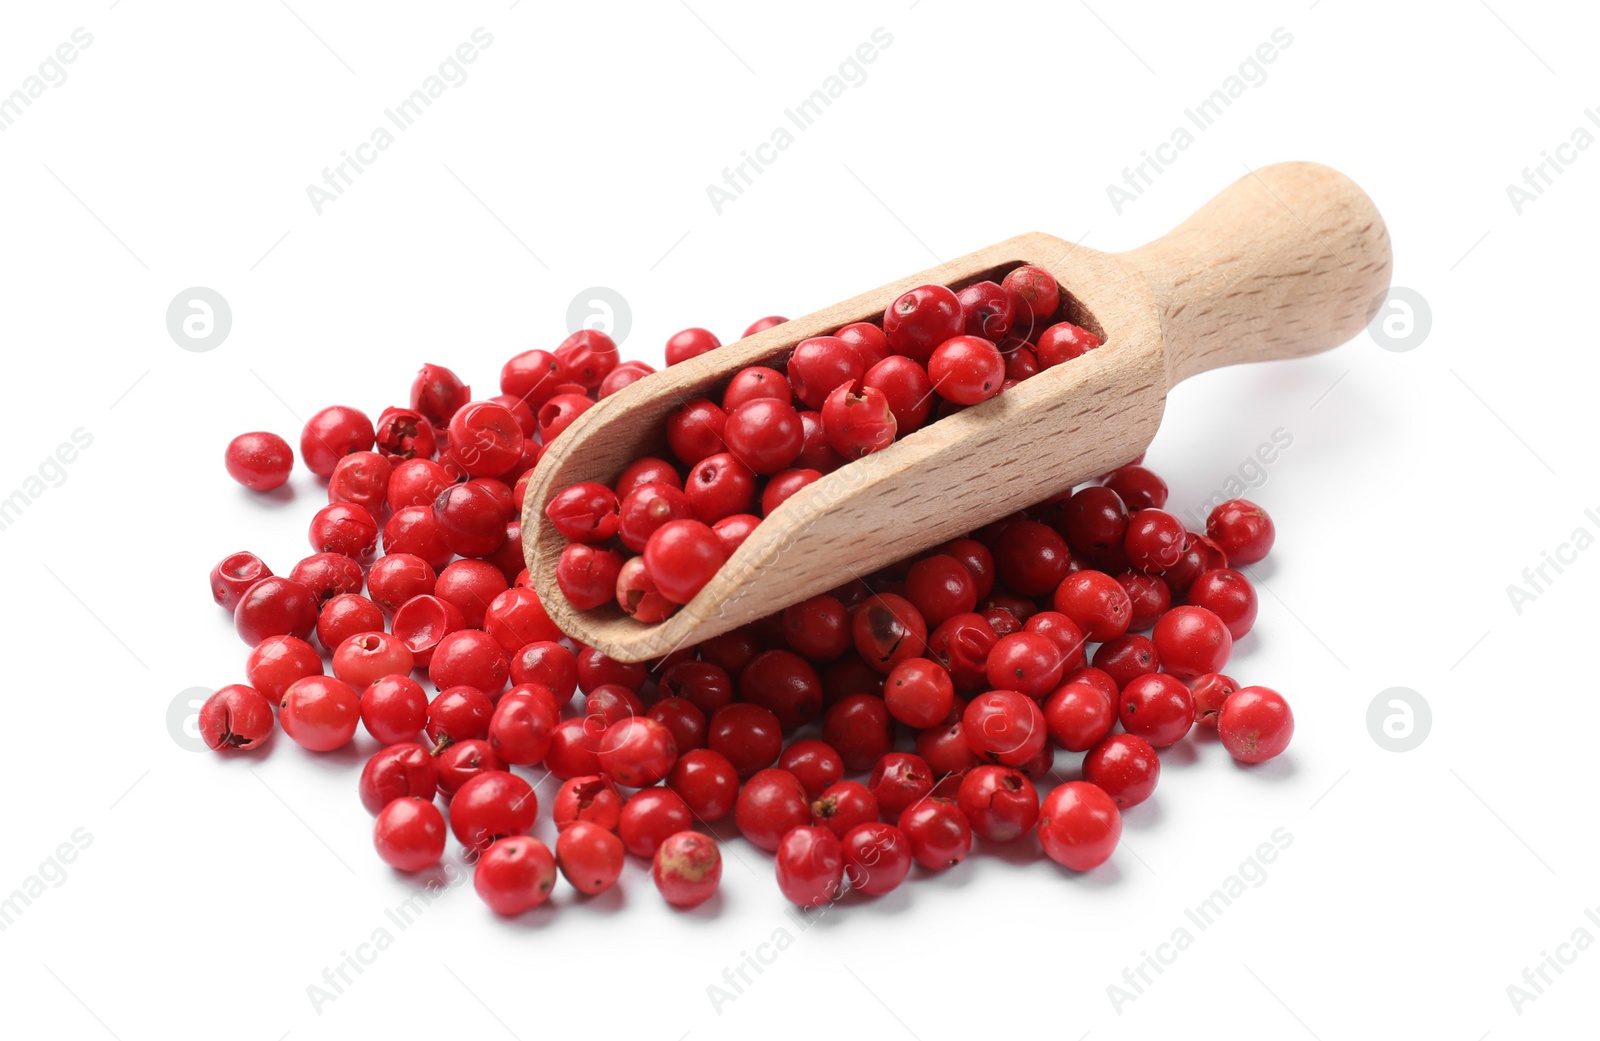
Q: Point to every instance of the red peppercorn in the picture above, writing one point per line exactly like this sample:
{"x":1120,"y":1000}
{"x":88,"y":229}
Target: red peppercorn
{"x":437,"y":393}
{"x":1096,"y":603}
{"x":523,"y":725}
{"x":816,"y":764}
{"x":772,"y":804}
{"x":1036,"y":292}
{"x":690,"y":343}
{"x":472,"y":522}
{"x":1210,"y":692}
{"x":784,"y":683}
{"x":1255,"y":724}
{"x":236,"y":718}
{"x":843,"y":805}
{"x":587,"y":357}
{"x":320,"y":713}
{"x":1005,"y":727}
{"x":361,"y":478}
{"x":1063,"y":632}
{"x":682,"y":556}
{"x":940,"y":587}
{"x":365,"y":658}
{"x":1127,"y":657}
{"x":707,"y":782}
{"x":259,"y":460}
{"x":392,"y":581}
{"x":623,"y":377}
{"x":1079,"y":826}
{"x":921,"y":319}
{"x":584,"y":512}
{"x":400,"y":771}
{"x":587,"y":576}
{"x":686,"y":868}
{"x":868,"y":340}
{"x":649,"y":818}
{"x":1095,"y":521}
{"x":233,"y":575}
{"x":750,"y":736}
{"x":1229,"y":595}
{"x":810,"y":865}
{"x":919,"y":693}
{"x":694,"y":431}
{"x":275,"y":607}
{"x":1125,"y":767}
{"x":422,"y":622}
{"x":1242,"y":530}
{"x":590,"y":857}
{"x":591,"y":799}
{"x":1000,"y":803}
{"x":327,"y":575}
{"x":898,"y":780}
{"x":719,"y":486}
{"x":857,"y":420}
{"x":1079,"y":716}
{"x":463,"y":761}
{"x":888,"y":630}
{"x":1063,"y":342}
{"x":877,"y":858}
{"x":595,"y":668}
{"x":515,"y":874}
{"x":332,"y":434}
{"x":637,"y":752}
{"x":966,"y":370}
{"x":938,"y":833}
{"x":1149,"y":597}
{"x":278,"y":661}
{"x":490,"y":807}
{"x":394,"y":709}
{"x":1154,"y":541}
{"x":409,"y":834}
{"x":1191,"y":641}
{"x":470,"y":657}
{"x":962,"y":644}
{"x":784,"y":484}
{"x":860,"y":727}
{"x":907,"y":389}
{"x":987,"y":310}
{"x":1026,"y":662}
{"x":1158,"y":708}
{"x":403,"y":434}
{"x":555,"y":415}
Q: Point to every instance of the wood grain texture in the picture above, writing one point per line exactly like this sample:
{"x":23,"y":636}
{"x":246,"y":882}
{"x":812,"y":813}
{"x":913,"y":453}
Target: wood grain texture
{"x":1290,"y":260}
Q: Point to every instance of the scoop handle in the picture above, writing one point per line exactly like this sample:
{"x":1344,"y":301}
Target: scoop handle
{"x":1289,"y":260}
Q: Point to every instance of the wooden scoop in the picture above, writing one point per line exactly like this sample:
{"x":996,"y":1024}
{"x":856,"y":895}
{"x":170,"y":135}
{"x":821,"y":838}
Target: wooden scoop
{"x":1289,"y":260}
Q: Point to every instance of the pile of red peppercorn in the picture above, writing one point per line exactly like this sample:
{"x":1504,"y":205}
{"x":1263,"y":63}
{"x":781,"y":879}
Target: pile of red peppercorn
{"x":652,"y":540}
{"x":943,"y":685}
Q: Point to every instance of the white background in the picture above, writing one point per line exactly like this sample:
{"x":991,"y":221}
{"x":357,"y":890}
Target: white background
{"x":1418,"y":885}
